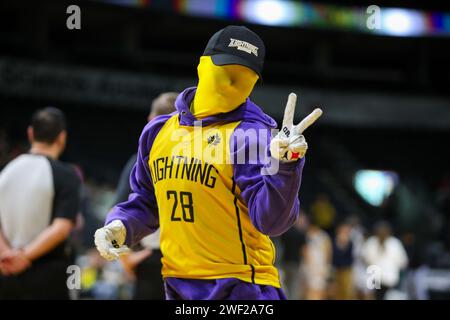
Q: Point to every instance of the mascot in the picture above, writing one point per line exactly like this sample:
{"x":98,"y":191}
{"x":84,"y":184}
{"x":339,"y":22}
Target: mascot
{"x":215,"y":181}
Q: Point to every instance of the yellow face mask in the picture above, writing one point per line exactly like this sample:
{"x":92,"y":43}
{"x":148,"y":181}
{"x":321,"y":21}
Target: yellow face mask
{"x":221,"y":89}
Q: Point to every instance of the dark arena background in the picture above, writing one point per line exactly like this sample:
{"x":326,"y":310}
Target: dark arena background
{"x":380,"y":152}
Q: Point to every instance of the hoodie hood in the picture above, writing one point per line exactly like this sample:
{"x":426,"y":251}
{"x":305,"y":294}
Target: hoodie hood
{"x":248,"y":112}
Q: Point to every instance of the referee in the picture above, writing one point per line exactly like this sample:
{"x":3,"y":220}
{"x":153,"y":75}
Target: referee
{"x":39,"y":200}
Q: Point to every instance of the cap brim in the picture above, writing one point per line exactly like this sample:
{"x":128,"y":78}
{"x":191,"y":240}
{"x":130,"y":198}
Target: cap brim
{"x":222,"y":59}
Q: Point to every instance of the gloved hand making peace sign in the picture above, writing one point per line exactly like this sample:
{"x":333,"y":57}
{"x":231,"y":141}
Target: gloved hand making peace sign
{"x":290,"y":144}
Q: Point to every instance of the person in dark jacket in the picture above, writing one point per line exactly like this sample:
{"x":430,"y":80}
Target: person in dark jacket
{"x":144,"y":264}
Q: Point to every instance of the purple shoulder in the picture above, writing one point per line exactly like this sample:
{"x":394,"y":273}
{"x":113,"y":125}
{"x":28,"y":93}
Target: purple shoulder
{"x":254,"y":117}
{"x":152,"y":129}
{"x":253,"y":125}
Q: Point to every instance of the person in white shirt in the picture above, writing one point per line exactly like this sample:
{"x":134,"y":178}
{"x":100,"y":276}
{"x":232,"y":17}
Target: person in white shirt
{"x":39,"y":203}
{"x":316,"y":262}
{"x":388,"y":254}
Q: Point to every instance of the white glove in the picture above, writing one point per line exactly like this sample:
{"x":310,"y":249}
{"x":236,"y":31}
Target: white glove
{"x":110,"y":240}
{"x":290,"y":144}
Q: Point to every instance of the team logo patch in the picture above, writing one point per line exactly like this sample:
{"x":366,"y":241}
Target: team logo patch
{"x":213,"y":140}
{"x":243,"y":46}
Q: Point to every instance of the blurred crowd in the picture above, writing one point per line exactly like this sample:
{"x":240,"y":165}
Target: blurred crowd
{"x":325,"y":257}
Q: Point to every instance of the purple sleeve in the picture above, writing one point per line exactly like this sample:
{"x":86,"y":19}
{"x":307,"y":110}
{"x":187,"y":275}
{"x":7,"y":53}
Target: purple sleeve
{"x":272,"y":200}
{"x":139,"y":213}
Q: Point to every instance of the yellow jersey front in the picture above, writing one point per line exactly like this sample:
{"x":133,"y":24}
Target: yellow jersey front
{"x":206,"y":232}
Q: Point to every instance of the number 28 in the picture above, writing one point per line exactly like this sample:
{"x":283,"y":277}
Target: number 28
{"x":185,"y":203}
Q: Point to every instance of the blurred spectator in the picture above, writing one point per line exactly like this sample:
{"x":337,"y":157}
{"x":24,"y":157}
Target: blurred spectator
{"x":316,"y":262}
{"x":163,"y":104}
{"x":91,"y":265}
{"x":292,"y":243}
{"x":415,"y":284}
{"x":359,"y":269}
{"x":87,"y":220}
{"x":388,"y":253}
{"x":323,"y":212}
{"x":101,"y":279}
{"x":343,"y":261}
{"x":39,"y":201}
{"x":443,"y":204}
{"x":145,"y":265}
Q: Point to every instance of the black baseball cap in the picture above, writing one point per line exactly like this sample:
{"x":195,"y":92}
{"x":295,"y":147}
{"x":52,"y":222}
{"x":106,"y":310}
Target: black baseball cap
{"x":237,"y":45}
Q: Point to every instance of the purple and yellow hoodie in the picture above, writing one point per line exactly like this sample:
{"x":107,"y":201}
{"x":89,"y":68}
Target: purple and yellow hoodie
{"x":203,"y":184}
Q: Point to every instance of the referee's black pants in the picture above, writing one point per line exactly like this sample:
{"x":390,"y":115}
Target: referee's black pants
{"x":44,"y":280}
